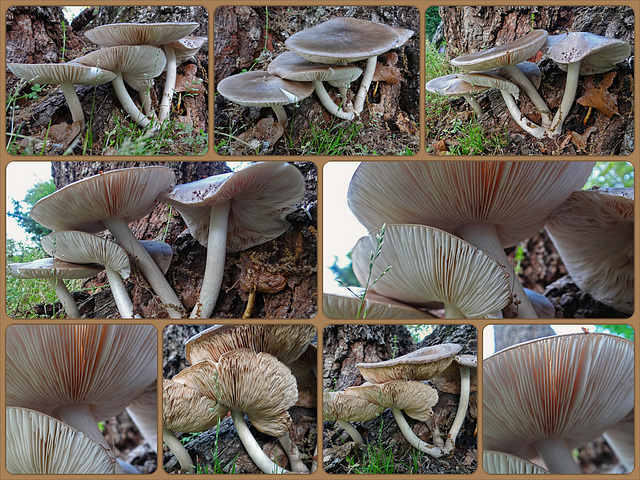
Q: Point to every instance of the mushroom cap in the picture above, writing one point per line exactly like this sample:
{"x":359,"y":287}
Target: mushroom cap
{"x":454,"y":84}
{"x":502,"y":463}
{"x":38,"y":444}
{"x":343,"y":303}
{"x":160,"y":252}
{"x":185,"y":409}
{"x":291,"y":66}
{"x":593,"y":231}
{"x":562,"y":386}
{"x":421,"y":364}
{"x":343,"y":40}
{"x":82,"y":247}
{"x":516,"y":197}
{"x":490,"y":80}
{"x":254,"y":383}
{"x":138,"y":64}
{"x":57,"y":73}
{"x":509,"y":53}
{"x":156,"y":34}
{"x":449,"y":379}
{"x":187,"y":47}
{"x":596,"y":54}
{"x":128,"y":193}
{"x":414,"y":398}
{"x":260,"y":89}
{"x":529,"y":69}
{"x":52,"y":268}
{"x":101,"y":366}
{"x":286,"y":342}
{"x":350,"y":408}
{"x":428,"y":265}
{"x":261,"y":195}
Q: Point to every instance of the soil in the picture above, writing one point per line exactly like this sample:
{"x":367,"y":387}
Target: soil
{"x":248,"y":38}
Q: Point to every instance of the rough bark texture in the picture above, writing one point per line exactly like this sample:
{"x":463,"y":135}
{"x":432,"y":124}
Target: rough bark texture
{"x":507,"y":335}
{"x":293,"y":254}
{"x":346,"y":345}
{"x":391,"y":111}
{"x":471,"y":29}
{"x":35,"y":35}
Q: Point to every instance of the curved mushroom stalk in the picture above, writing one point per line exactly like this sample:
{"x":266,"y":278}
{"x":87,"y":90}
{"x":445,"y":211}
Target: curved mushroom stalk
{"x":351,"y":430}
{"x":465,"y":387}
{"x":120,"y":294}
{"x":570,"y":89}
{"x":251,"y":445}
{"x":557,"y":456}
{"x":297,"y":465}
{"x":65,"y":297}
{"x":169,"y":83}
{"x":179,"y":450}
{"x":367,"y":77}
{"x":477,"y":109}
{"x":516,"y":74}
{"x":522,"y":121}
{"x":332,"y":108}
{"x":412,"y":438}
{"x":128,"y":103}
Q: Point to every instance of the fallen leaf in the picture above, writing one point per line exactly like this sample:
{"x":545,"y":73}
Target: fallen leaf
{"x":439,"y":147}
{"x":264,"y":134}
{"x":598,"y":97}
{"x":64,"y":133}
{"x":581,"y":141}
{"x":189,"y":82}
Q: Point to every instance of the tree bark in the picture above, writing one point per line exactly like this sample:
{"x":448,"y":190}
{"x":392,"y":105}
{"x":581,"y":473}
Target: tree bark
{"x":507,"y":335}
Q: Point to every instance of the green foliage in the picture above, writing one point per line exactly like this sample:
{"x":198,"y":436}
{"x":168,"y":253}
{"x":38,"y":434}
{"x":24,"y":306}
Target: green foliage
{"x":344,"y":275}
{"x":519,"y":256}
{"x":611,"y":174}
{"x":418,"y":332}
{"x":431,"y":20}
{"x":625,"y":331}
{"x":337,"y":139}
{"x":469,"y":138}
{"x":22,"y":208}
{"x":369,"y":284}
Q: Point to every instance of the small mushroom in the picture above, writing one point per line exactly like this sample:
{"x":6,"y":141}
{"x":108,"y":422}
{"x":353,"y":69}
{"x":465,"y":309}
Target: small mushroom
{"x":455,"y":85}
{"x":344,"y":409}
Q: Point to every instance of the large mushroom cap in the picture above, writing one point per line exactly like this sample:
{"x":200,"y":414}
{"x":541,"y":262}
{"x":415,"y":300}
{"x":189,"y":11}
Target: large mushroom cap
{"x":52,"y":268}
{"x":291,"y":66}
{"x":421,"y":364}
{"x":596,"y":54}
{"x":185,"y":409}
{"x":157,"y":34}
{"x":261,"y":197}
{"x":509,"y":53}
{"x":57,"y":73}
{"x":129,"y":193}
{"x":38,"y":444}
{"x":343,"y":40}
{"x":285,"y":342}
{"x":260,"y":89}
{"x":343,"y":303}
{"x":569,"y":387}
{"x":350,"y":408}
{"x":593,"y":231}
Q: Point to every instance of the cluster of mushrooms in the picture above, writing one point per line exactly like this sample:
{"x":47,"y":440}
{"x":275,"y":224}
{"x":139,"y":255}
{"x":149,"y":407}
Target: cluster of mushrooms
{"x":444,"y":227}
{"x":261,"y":370}
{"x":135,"y":54}
{"x":506,"y":68}
{"x":400,"y":384}
{"x":318,"y":54}
{"x":543,"y":398}
{"x":62,"y":380}
{"x":228,"y":212}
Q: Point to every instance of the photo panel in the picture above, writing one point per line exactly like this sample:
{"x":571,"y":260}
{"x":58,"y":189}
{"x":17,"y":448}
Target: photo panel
{"x":400,"y":399}
{"x":529,"y":80}
{"x":203,"y":239}
{"x":317,"y":80}
{"x":214,"y":375}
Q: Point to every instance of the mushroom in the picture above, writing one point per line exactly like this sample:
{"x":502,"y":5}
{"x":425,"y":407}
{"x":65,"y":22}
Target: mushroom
{"x":455,"y":85}
{"x":429,"y":265}
{"x":38,"y":444}
{"x":492,"y":205}
{"x":293,"y":67}
{"x":593,"y":231}
{"x":502,"y":463}
{"x":66,"y":75}
{"x":137,"y":65}
{"x":143,"y":411}
{"x":620,"y":438}
{"x":260,"y":89}
{"x":233,"y":212}
{"x":81,"y":374}
{"x":55,"y":271}
{"x":110,"y":200}
{"x":581,"y":53}
{"x":550,"y":395}
{"x":344,"y":409}
{"x":346,"y":40}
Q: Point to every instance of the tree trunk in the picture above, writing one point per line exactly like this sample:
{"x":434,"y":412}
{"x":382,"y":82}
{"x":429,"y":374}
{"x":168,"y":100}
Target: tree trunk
{"x":507,"y":335}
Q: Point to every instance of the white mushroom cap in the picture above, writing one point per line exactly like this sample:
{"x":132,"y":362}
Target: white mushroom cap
{"x":185,"y":409}
{"x":291,"y":66}
{"x":161,"y":252}
{"x":552,"y":394}
{"x":157,"y":34}
{"x":593,"y":231}
{"x":502,"y":463}
{"x":38,"y":444}
{"x":350,"y":408}
{"x":187,"y":47}
{"x":428,"y":265}
{"x":454,"y":84}
{"x":58,"y":73}
{"x":52,"y":268}
{"x":489,"y":80}
{"x":342,"y":303}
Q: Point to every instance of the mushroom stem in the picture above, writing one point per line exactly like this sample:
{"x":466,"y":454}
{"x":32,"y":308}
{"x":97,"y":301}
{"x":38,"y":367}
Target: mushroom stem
{"x":65,"y":297}
{"x":450,"y":311}
{"x":351,"y":430}
{"x":367,"y":77}
{"x":250,"y":302}
{"x":120,"y":294}
{"x":524,"y":123}
{"x":332,"y":108}
{"x":251,"y":445}
{"x":485,"y":237}
{"x":79,"y":416}
{"x":169,"y":83}
{"x":557,"y":456}
{"x":126,"y":239}
{"x":474,"y":104}
{"x":465,"y":387}
{"x":73,"y":101}
{"x":127,"y":102}
{"x":281,"y":114}
{"x":522,"y":80}
{"x":412,"y":438}
{"x":297,"y":466}
{"x":570,"y":89}
{"x":179,"y":450}
{"x":216,"y":254}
